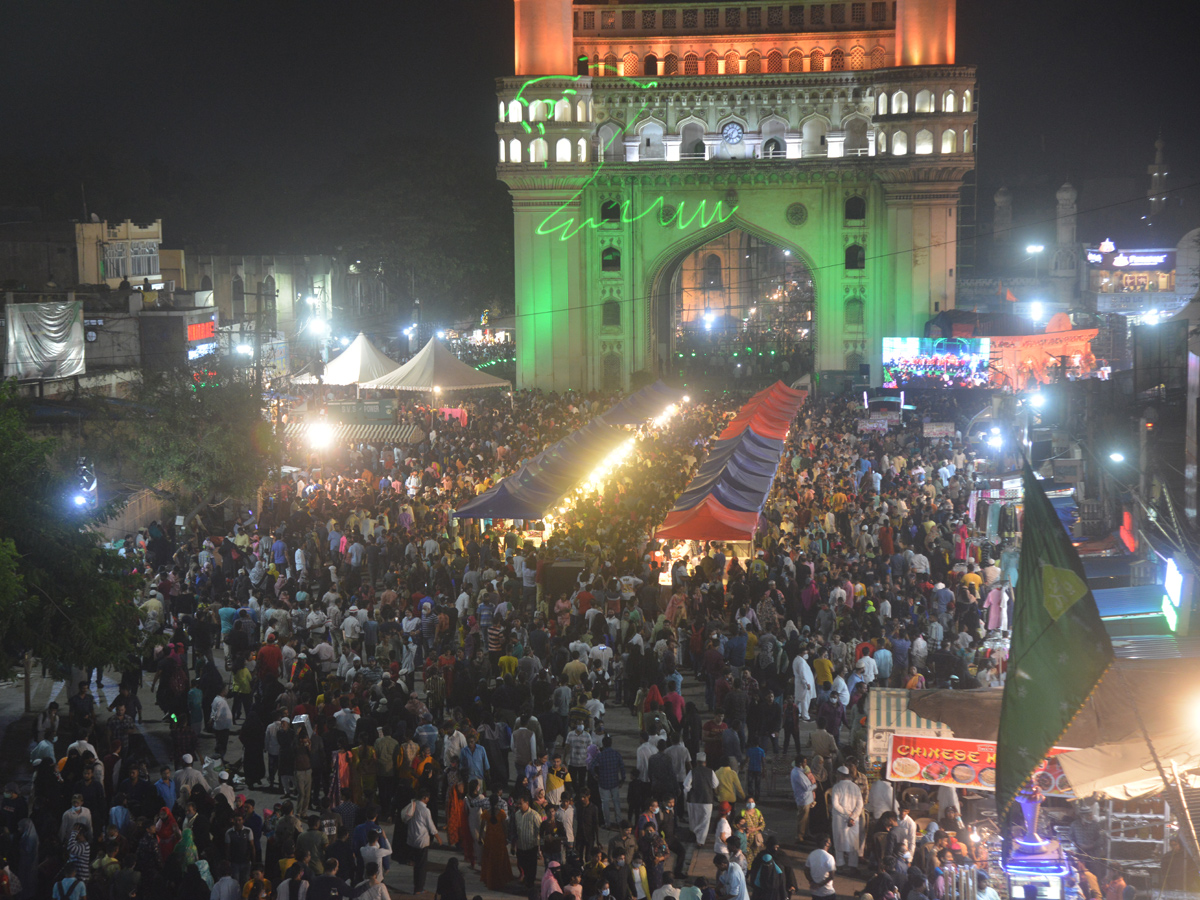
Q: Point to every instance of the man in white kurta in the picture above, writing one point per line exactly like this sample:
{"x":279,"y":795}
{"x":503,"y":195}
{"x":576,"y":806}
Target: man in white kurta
{"x":806,"y":688}
{"x":847,"y":803}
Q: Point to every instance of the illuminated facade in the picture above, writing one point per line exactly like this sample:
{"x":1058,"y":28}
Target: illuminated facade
{"x":815,"y":151}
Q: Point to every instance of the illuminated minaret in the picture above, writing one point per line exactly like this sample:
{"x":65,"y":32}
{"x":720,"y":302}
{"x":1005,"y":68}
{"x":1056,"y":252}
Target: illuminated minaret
{"x":544,"y":38}
{"x":1158,"y":180}
{"x":925,"y":32}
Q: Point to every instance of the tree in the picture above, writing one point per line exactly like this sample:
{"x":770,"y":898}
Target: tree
{"x":63,"y":596}
{"x":203,"y":442}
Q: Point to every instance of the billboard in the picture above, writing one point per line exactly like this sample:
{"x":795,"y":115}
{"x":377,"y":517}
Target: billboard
{"x":964,"y":764}
{"x":936,"y":362}
{"x":44,"y":340}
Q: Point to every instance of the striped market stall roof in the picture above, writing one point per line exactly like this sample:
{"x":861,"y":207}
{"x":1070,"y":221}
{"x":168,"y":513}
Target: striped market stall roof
{"x":350,"y":432}
{"x":888,"y":714}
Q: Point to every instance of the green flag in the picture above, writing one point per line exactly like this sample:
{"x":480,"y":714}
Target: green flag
{"x":1060,"y":649}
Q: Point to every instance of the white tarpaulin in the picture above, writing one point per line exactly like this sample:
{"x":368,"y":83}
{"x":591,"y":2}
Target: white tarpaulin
{"x":1126,"y":770}
{"x":435,"y":366}
{"x":360,"y":362}
{"x":44,"y":340}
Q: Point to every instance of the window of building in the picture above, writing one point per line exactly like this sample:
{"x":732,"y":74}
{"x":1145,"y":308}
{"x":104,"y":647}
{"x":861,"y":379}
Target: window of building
{"x":143,"y":258}
{"x":837,"y":14}
{"x":562,"y":150}
{"x":691,"y":18}
{"x":796,"y":17}
{"x":612,"y":372}
{"x":712,"y":18}
{"x":854,"y":359}
{"x":879,"y":12}
{"x":878,"y":58}
{"x":754,"y":17}
{"x":206,"y":283}
{"x":753,"y":63}
{"x":881,"y":142}
{"x":774,"y":16}
{"x":650,"y":65}
{"x":924,"y":142}
{"x":733,"y":63}
{"x":629,"y":20}
{"x":562,"y":110}
{"x":712,"y":273}
{"x":949,"y":141}
{"x":881,"y":106}
{"x":649,"y":19}
{"x":581,"y":111}
{"x":856,"y":257}
{"x":856,"y":209}
{"x":671,"y":64}
{"x":582,"y":146}
{"x":899,"y":103}
{"x":669,"y":18}
{"x":514,"y":111}
{"x":816,"y":15}
{"x":949,"y":102}
{"x":610,"y":259}
{"x":589,"y":21}
{"x":733,"y":17}
{"x":858,"y":57}
{"x":608,"y":20}
{"x":610,"y":66}
{"x":610,"y":316}
{"x":711,"y":62}
{"x":966,"y":140}
{"x":966,"y":101}
{"x":858,"y":13}
{"x":796,"y":61}
{"x":610,"y":211}
{"x":538,"y":150}
{"x":854,"y":311}
{"x":816,"y":61}
{"x":774,"y":62}
{"x":899,"y":143}
{"x":581,"y":66}
{"x":630,"y":67}
{"x":772,"y":149}
{"x":116,"y":260}
{"x":923,"y":103}
{"x":837,"y":60}
{"x":514,"y":150}
{"x":691,"y":64}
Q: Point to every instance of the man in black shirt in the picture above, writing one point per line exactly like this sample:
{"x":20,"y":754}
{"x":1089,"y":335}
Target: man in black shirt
{"x":329,"y":886}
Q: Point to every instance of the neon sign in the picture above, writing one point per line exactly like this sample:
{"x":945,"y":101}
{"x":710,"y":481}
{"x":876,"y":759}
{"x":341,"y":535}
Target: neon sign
{"x":567,"y":227}
{"x":200,"y":331}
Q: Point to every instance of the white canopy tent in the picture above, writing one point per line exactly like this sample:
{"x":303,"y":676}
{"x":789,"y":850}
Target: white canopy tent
{"x":435,"y":368}
{"x":360,"y":362}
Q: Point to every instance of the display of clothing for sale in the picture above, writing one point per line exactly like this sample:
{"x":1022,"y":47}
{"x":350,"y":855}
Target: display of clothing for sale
{"x":1010,"y":521}
{"x":1009,"y":564}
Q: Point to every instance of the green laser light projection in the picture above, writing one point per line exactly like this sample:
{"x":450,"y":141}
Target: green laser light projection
{"x":567,"y":227}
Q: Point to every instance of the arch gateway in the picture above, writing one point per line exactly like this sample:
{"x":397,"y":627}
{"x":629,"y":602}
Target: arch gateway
{"x":750,"y":211}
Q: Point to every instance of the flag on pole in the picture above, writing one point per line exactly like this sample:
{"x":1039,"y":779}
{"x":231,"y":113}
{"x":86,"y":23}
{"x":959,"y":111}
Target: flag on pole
{"x":1010,"y":296}
{"x":1059,"y":652}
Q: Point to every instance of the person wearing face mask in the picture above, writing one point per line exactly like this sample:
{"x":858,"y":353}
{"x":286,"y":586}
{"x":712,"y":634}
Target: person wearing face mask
{"x":76,"y":814}
{"x":619,"y":878}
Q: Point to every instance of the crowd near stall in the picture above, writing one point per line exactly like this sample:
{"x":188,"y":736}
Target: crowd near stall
{"x":708,"y":647}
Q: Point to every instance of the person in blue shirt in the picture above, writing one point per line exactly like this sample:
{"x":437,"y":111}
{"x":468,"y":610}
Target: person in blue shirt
{"x":731,"y":879}
{"x":474,"y":761}
{"x":754,"y":767}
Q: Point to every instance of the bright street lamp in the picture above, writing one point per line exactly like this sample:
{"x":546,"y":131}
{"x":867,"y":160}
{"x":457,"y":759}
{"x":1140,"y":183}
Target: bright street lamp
{"x":1035,"y":311}
{"x":1038,"y":400}
{"x":318,"y":326}
{"x":1035,"y":251}
{"x":1117,"y":456}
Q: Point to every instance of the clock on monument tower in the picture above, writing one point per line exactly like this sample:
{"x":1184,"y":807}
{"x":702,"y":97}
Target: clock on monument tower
{"x":732,"y":133}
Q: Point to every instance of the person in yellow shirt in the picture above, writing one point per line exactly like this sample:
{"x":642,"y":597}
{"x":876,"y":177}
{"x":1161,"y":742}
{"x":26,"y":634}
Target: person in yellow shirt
{"x":729,"y":786}
{"x":822,"y":668}
{"x":508,"y":662}
{"x":972,"y":578}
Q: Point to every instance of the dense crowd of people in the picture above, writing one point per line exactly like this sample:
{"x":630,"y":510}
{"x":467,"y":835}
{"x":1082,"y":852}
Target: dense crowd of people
{"x":406,"y":679}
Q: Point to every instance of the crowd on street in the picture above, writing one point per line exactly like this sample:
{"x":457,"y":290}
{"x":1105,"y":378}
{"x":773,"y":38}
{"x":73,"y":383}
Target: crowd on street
{"x":397,"y":682}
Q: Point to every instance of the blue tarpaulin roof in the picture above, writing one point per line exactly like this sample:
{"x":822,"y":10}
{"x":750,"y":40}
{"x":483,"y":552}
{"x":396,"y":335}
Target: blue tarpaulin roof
{"x":535,"y":488}
{"x":738,"y":471}
{"x":1067,"y":510}
{"x":1139,"y":600}
{"x":641,"y":405}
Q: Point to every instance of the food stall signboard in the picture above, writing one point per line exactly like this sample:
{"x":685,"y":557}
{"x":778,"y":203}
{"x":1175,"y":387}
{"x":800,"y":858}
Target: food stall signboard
{"x":938,"y":429}
{"x":965,"y":764}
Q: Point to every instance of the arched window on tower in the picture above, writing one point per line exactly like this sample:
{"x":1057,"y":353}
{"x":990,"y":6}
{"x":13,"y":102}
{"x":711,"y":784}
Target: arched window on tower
{"x":562,"y":150}
{"x":610,"y":259}
{"x":966,"y":141}
{"x":858,"y":58}
{"x":753,"y":63}
{"x":900,"y":103}
{"x":581,"y":66}
{"x":671,"y":64}
{"x":856,"y":257}
{"x":774,"y":62}
{"x":582,"y":147}
{"x":514,"y":150}
{"x":837,"y":60}
{"x":949,"y":141}
{"x":503,"y":110}
{"x":562,"y":110}
{"x":881,"y":142}
{"x":854,"y":359}
{"x":711,"y":62}
{"x":966,"y":101}
{"x":630,"y":68}
{"x":816,"y":61}
{"x":610,"y":67}
{"x":501,"y":149}
{"x":581,"y":111}
{"x":878,"y":58}
{"x":514,"y":111}
{"x":854,"y":311}
{"x":537,"y":111}
{"x":650,"y":65}
{"x":856,"y":209}
{"x":899,"y":143}
{"x":206,"y":283}
{"x":796,"y":61}
{"x":538,"y":150}
{"x":923,"y":145}
{"x":610,"y":314}
{"x":881,"y":106}
{"x":772,"y":149}
{"x":923,"y":102}
{"x":733,"y":63}
{"x":691,"y":64}
{"x":610,"y":211}
{"x":949,"y":102}
{"x":712,"y":273}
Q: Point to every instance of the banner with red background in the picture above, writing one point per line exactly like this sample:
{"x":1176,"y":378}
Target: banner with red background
{"x":963,"y":764}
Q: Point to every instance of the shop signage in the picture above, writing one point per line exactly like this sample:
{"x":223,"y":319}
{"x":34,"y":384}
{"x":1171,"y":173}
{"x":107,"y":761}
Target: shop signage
{"x":202,"y":331}
{"x":963,"y":764}
{"x":1131,"y":259}
{"x":938,"y":429}
{"x":879,"y":426}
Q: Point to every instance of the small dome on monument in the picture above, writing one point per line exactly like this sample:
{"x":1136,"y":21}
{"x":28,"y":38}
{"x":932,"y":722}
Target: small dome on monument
{"x":1067,"y":193}
{"x":1003,"y":197}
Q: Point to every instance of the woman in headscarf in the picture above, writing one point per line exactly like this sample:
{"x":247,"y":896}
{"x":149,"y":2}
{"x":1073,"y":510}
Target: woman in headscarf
{"x":167,"y":831}
{"x":186,"y":853}
{"x":497,"y":868}
{"x":450,"y":884}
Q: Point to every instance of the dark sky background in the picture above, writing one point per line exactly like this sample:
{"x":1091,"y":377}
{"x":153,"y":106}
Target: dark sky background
{"x":223,"y":118}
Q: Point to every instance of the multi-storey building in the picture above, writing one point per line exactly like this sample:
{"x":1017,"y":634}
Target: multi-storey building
{"x":694,"y":177}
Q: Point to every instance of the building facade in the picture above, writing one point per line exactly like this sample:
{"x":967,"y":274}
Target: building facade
{"x":693,"y":178}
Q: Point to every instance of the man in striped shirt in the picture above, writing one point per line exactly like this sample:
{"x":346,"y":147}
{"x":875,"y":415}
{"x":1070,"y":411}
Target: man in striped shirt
{"x":528,"y":828}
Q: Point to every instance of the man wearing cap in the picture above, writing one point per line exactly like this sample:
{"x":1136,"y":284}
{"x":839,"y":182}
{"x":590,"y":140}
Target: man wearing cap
{"x":700,"y":788}
{"x":846,"y":802}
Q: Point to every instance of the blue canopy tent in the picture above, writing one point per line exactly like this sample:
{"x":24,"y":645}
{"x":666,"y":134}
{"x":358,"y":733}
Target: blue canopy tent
{"x":641,"y":405}
{"x":541,"y":482}
{"x":738,"y":471}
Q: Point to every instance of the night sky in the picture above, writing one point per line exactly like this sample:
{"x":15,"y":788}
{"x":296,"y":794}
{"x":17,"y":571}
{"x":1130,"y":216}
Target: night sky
{"x":221,"y":117}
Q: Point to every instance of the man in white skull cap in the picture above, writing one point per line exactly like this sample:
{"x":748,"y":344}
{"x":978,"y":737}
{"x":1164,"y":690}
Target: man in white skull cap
{"x":846,"y":801}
